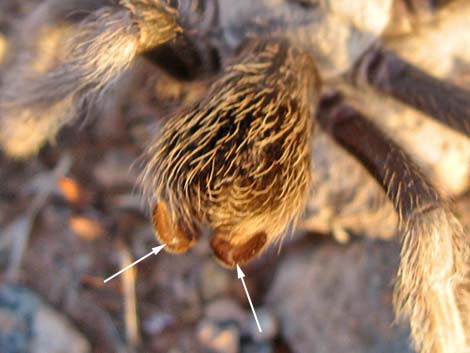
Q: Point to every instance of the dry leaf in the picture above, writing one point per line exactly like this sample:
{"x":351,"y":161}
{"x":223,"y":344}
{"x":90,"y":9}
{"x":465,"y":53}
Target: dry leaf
{"x":71,"y":190}
{"x":86,"y":228}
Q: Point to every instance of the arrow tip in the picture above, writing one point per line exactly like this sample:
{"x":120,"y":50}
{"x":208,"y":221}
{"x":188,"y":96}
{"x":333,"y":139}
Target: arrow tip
{"x":157,"y":249}
{"x":240,"y":273}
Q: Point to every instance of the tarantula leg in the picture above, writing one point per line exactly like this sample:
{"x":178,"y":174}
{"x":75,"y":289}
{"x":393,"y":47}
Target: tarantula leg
{"x":36,"y":103}
{"x":441,"y":100}
{"x":230,"y":253}
{"x":238,"y":161}
{"x":433,"y":288}
{"x":178,"y":239}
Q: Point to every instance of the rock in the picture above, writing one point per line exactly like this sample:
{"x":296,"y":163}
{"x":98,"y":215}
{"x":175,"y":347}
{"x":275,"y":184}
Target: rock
{"x":28,"y":325}
{"x":336,"y":299}
{"x":157,"y":323}
{"x":226,"y":313}
{"x":225,"y":310}
{"x":268,"y":323}
{"x":257,"y":348}
{"x":215,"y":281}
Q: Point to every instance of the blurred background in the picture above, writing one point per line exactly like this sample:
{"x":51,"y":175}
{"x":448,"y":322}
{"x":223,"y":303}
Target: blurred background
{"x":72,"y":216}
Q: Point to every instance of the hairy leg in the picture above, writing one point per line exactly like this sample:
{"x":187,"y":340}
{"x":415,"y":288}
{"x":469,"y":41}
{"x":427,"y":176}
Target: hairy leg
{"x":441,"y":100}
{"x":433,"y":288}
{"x":35,"y":102}
{"x":238,"y":161}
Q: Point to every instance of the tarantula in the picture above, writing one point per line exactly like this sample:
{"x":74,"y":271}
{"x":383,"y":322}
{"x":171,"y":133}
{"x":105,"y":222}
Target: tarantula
{"x":238,"y":161}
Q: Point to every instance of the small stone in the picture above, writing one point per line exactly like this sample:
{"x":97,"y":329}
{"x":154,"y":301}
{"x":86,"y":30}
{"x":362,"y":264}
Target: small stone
{"x":53,"y":334}
{"x":268,"y":323}
{"x":219,"y":338}
{"x":27,"y":324}
{"x":215,"y":281}
{"x":226,"y":310}
{"x":157,"y":323}
{"x":257,"y":348}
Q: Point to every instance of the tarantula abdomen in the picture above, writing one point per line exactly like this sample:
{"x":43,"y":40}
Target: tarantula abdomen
{"x":239,"y":160}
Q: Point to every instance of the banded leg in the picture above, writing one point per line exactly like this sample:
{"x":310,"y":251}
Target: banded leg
{"x":441,"y":100}
{"x":433,"y":288}
{"x":35,"y":102}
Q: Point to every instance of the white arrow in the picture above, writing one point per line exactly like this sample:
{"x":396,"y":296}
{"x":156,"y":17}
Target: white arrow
{"x":241,"y":276}
{"x":154,"y":251}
